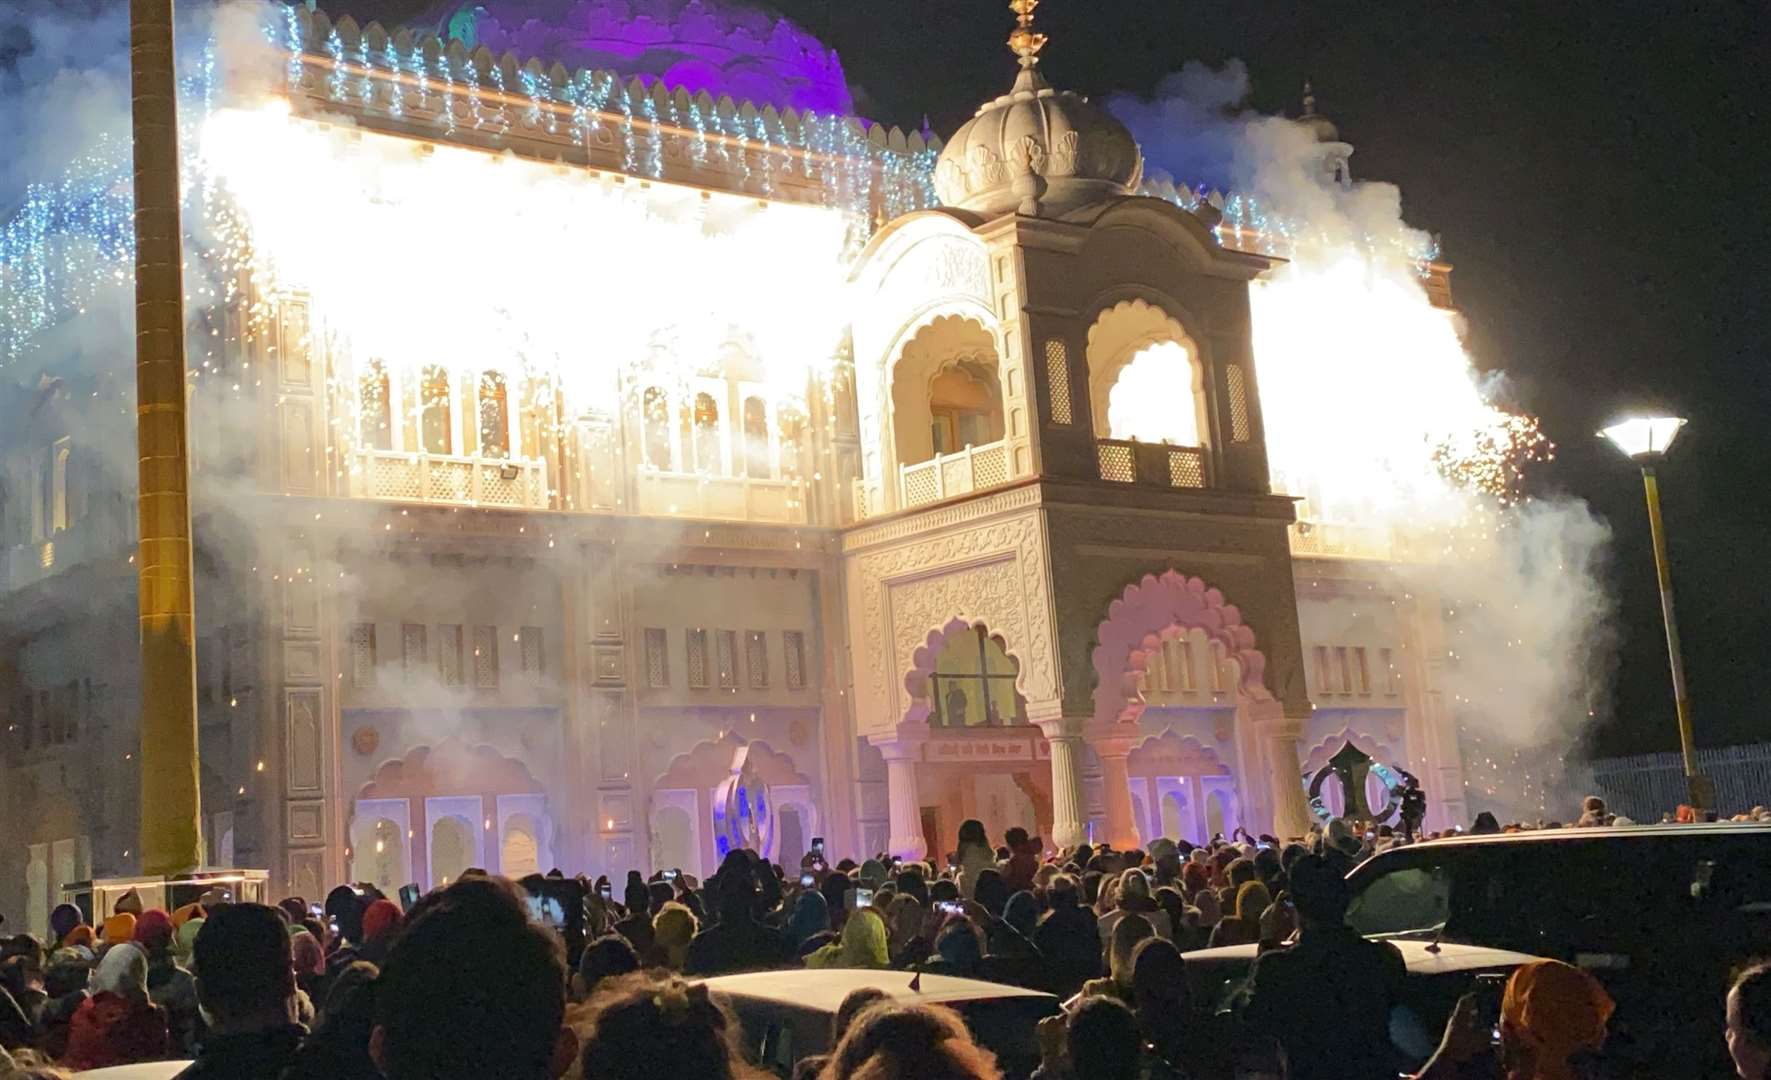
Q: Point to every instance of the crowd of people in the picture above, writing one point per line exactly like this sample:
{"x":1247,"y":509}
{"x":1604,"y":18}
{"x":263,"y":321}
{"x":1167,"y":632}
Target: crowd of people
{"x":481,"y":979}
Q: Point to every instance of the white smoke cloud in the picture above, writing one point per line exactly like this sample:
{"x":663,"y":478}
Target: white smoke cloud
{"x":1364,"y":384}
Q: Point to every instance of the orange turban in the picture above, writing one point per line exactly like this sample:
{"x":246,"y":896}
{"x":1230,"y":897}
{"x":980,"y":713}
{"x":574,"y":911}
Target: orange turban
{"x":186,"y":914}
{"x":81,"y":935}
{"x":1558,"y":1009}
{"x":119,"y":927}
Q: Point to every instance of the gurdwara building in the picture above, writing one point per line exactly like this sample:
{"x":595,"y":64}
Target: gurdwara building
{"x":778,"y":488}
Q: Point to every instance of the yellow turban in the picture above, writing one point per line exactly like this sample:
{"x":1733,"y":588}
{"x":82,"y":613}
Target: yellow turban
{"x":1558,"y":1009}
{"x":119,"y":927}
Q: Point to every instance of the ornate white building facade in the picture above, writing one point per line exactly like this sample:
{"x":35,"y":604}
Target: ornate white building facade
{"x":466,"y":613}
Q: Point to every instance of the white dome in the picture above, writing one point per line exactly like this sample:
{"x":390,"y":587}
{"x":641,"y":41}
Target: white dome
{"x":1037,"y":151}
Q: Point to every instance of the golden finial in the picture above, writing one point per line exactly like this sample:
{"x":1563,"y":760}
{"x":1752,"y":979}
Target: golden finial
{"x":1024,"y":41}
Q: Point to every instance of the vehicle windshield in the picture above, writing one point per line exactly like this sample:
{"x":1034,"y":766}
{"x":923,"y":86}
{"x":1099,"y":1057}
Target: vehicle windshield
{"x":1411,"y":899}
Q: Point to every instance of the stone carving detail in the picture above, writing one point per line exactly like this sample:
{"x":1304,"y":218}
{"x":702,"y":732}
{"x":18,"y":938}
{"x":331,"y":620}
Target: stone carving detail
{"x":994,"y":573}
{"x":1029,"y":153}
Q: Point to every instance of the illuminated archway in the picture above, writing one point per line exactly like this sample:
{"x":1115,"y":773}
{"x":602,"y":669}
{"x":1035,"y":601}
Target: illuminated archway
{"x":944,"y":390}
{"x":1164,"y":393}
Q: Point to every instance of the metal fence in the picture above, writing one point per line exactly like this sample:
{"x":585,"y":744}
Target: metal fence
{"x":1649,"y":785}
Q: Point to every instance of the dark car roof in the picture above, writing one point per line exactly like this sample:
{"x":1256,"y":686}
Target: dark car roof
{"x":1600,"y":832}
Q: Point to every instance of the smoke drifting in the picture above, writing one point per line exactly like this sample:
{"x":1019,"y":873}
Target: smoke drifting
{"x":1379,"y":419}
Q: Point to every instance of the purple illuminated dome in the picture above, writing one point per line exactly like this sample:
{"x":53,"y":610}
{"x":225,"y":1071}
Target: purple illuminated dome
{"x":720,"y":47}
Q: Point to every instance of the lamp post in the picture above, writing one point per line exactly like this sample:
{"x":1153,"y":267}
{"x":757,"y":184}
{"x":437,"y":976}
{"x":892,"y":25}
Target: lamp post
{"x":1646,"y":440}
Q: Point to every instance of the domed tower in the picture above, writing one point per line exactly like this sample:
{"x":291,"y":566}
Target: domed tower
{"x":1062,"y":467}
{"x":1036,"y":150}
{"x":1334,"y":154}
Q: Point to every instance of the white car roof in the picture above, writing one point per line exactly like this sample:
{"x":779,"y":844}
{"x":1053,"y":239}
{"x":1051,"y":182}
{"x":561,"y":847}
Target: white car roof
{"x":823,"y":990}
{"x":147,"y":1070}
{"x":1422,"y":957}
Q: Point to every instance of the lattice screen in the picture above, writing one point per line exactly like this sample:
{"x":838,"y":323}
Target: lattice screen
{"x":1186,"y":468}
{"x":1240,"y":431}
{"x":449,"y":668}
{"x":485,"y":656}
{"x":756,"y":658}
{"x":793,"y":649}
{"x":695,"y":646}
{"x":414,"y":648}
{"x":1057,"y":376}
{"x":362,"y":654}
{"x":726,"y":655}
{"x":534,"y":657}
{"x":657,"y":658}
{"x":1117,"y":462}
{"x":989,"y":468}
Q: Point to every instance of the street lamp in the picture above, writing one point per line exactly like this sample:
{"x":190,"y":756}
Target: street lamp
{"x":1646,"y":440}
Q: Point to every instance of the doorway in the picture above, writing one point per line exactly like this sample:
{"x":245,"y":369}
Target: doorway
{"x":931,"y":835}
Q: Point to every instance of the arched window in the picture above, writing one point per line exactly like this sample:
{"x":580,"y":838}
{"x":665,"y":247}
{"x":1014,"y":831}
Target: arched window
{"x":520,"y":854}
{"x":756,"y":437}
{"x":451,"y":846}
{"x":435,"y":423}
{"x":375,"y":408}
{"x":963,"y":409}
{"x":494,"y":416}
{"x":1152,"y":399}
{"x":974,"y":683}
{"x":707,"y":448}
{"x":655,"y":420}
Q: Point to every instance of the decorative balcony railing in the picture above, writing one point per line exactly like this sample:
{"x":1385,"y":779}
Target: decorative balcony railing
{"x":1341,"y":540}
{"x":107,"y":531}
{"x":946,"y":475}
{"x":458,"y":481}
{"x":1127,"y":461}
{"x":728,"y":498}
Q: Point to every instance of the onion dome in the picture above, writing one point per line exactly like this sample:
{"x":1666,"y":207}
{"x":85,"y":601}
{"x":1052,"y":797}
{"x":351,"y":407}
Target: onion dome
{"x":1036,"y":150}
{"x":733,"y":47}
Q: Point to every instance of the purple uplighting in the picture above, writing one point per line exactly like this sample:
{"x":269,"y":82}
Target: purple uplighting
{"x":722,"y":48}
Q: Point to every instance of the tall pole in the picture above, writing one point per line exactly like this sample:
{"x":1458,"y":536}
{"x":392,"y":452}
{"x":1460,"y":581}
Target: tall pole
{"x":171,"y":831}
{"x":1699,"y":794}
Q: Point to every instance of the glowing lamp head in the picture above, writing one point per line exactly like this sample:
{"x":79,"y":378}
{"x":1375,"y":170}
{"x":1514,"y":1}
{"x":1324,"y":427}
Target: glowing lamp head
{"x":1644,"y":438}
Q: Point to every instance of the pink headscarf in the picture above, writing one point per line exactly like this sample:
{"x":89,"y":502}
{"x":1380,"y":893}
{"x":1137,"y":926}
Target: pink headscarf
{"x":310,"y":958}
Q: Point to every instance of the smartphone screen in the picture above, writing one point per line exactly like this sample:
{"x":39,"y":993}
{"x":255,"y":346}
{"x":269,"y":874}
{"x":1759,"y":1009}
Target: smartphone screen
{"x":806,"y":881}
{"x":950,"y":907}
{"x":670,"y":875}
{"x":860,"y":898}
{"x":606,"y":891}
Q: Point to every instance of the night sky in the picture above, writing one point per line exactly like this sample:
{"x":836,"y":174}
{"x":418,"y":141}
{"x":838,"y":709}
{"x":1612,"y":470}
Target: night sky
{"x":1598,"y":175}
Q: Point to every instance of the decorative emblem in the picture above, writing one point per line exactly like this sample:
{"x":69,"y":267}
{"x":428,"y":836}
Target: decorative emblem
{"x":365,"y":740}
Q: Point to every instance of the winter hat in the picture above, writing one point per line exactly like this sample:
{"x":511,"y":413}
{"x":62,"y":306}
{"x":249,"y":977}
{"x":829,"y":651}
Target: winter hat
{"x":153,"y":928}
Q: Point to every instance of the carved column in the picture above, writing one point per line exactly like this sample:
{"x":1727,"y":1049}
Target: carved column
{"x":906,"y":840}
{"x":1069,"y":806}
{"x":1291,"y":812}
{"x":1114,"y":750}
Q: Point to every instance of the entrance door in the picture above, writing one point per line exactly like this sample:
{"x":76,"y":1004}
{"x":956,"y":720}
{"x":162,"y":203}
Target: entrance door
{"x":931,"y":834}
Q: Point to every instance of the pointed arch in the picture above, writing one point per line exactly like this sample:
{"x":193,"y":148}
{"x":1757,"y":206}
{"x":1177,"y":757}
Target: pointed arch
{"x":1138,"y":618}
{"x":923,"y":662}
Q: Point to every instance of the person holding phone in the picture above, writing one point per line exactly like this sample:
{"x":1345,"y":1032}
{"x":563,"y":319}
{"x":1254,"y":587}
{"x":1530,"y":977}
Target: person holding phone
{"x":1546,"y":1022}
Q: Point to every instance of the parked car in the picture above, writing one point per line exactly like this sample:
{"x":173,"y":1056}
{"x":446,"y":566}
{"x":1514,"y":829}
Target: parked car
{"x":788,"y":1015}
{"x":1438,"y":974}
{"x":1660,"y":914}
